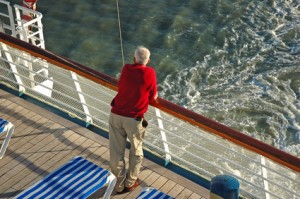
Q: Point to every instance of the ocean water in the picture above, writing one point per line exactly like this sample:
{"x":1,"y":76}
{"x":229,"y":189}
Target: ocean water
{"x":234,"y":61}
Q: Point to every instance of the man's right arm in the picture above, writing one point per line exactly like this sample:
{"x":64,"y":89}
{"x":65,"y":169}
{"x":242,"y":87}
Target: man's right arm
{"x":154,"y":94}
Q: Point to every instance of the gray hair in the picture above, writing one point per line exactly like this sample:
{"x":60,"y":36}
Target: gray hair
{"x":141,"y":55}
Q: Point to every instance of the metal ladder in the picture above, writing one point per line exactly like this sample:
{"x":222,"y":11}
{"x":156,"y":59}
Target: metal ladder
{"x":29,"y":31}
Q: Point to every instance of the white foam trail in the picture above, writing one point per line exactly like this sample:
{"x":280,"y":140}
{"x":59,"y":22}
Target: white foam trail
{"x":246,"y":83}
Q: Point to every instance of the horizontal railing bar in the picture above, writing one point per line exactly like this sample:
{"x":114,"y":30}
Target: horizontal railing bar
{"x":57,"y":82}
{"x":81,"y":82}
{"x":57,"y":101}
{"x":219,"y":144}
{"x":4,"y":15}
{"x":243,"y":140}
{"x":227,"y":160}
{"x":46,"y":68}
{"x":185,"y":161}
{"x":208,"y":173}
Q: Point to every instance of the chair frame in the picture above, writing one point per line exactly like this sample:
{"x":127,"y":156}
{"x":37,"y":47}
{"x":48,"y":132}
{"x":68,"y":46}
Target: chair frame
{"x":145,"y":194}
{"x":5,"y":126}
{"x":78,"y":177}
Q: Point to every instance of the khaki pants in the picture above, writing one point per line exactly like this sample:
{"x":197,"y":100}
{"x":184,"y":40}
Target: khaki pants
{"x":121,"y":128}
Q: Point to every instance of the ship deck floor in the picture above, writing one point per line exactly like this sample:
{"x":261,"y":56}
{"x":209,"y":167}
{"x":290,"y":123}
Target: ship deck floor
{"x":42,"y":141}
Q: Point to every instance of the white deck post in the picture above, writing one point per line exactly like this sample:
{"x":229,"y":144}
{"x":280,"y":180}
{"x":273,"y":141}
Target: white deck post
{"x":265,"y":176}
{"x":82,"y":99}
{"x":163,"y":136}
{"x":13,"y":68}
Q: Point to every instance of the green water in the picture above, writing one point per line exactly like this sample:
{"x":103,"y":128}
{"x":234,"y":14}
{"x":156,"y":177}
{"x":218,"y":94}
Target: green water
{"x":237,"y":62}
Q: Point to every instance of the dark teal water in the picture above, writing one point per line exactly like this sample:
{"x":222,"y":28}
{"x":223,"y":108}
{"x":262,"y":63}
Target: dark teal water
{"x":237,"y":62}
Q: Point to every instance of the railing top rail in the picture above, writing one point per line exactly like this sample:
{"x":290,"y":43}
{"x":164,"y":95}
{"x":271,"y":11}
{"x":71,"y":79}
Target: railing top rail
{"x":212,"y":126}
{"x":5,"y":2}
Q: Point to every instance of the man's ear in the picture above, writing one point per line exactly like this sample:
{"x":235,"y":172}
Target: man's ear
{"x":149,"y":61}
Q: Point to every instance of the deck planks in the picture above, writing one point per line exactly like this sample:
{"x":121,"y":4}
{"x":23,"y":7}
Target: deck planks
{"x":43,"y":141}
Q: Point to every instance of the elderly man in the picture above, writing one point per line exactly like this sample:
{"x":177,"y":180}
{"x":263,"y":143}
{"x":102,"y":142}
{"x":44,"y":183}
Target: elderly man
{"x":136,"y":89}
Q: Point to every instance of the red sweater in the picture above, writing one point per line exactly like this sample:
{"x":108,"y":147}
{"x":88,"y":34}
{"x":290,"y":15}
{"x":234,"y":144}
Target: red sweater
{"x":136,"y":89}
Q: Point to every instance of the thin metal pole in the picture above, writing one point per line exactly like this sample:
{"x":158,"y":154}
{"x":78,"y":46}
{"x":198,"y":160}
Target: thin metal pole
{"x":119,"y":20}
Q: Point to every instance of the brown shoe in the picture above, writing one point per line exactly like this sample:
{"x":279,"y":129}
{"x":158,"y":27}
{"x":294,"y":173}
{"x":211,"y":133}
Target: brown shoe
{"x":136,"y":184}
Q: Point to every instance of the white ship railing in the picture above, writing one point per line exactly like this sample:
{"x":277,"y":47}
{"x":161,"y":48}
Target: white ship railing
{"x":181,"y":137}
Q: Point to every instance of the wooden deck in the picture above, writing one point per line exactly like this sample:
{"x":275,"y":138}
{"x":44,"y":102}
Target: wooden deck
{"x":42,"y":141}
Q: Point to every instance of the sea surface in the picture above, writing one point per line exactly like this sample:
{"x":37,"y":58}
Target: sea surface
{"x":234,"y":61}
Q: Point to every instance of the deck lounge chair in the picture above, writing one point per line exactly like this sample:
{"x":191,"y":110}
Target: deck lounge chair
{"x":5,"y":126}
{"x":78,"y":178}
{"x":152,"y":193}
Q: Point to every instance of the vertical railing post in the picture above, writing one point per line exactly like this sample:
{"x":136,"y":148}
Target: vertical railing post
{"x":82,"y":99}
{"x":10,"y":17}
{"x":1,"y":27}
{"x":13,"y":68}
{"x":265,"y":176}
{"x":41,"y":32}
{"x":163,"y":136}
{"x":20,"y":26}
{"x":12,"y":21}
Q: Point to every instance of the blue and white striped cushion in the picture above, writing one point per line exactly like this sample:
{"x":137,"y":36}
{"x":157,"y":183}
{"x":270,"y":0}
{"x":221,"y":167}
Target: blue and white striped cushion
{"x":78,"y":178}
{"x":152,"y":193}
{"x":2,"y":124}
